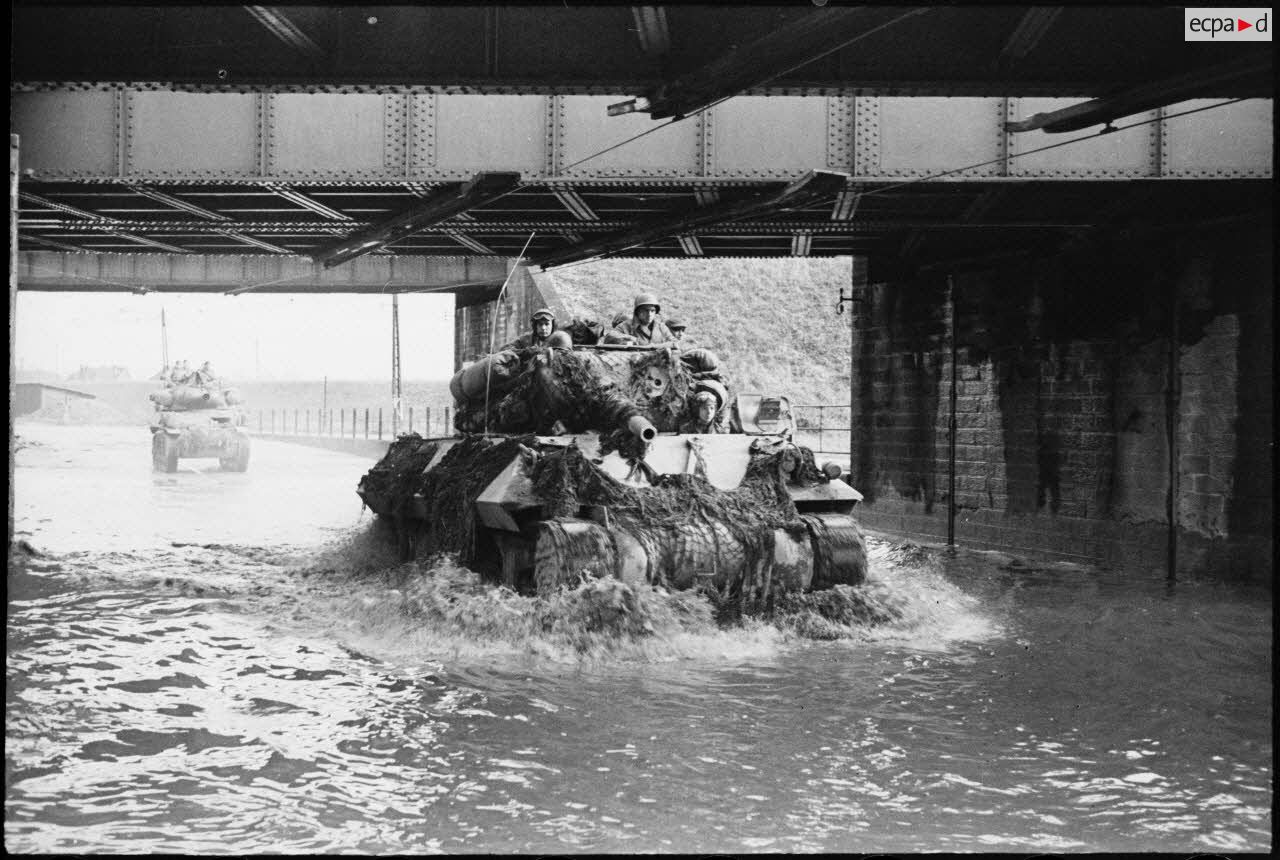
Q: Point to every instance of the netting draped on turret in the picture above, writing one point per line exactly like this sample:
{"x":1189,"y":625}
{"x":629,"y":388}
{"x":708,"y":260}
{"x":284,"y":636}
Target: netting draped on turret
{"x":550,"y":391}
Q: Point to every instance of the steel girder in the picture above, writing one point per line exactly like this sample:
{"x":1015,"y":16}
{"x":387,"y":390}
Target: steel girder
{"x":133,"y":134}
{"x":58,"y":271}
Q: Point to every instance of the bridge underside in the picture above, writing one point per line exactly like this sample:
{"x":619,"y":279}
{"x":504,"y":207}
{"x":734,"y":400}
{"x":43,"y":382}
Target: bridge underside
{"x":116,"y":169}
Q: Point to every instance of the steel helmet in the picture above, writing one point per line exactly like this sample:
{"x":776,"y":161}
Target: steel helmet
{"x":543,"y":313}
{"x":559,"y":340}
{"x":647,"y":299}
{"x":710,"y":385}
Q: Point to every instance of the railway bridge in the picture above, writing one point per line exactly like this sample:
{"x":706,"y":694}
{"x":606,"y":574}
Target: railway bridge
{"x":1059,"y":218}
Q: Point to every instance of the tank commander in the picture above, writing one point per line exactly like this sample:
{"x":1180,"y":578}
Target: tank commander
{"x":644,"y":327}
{"x":706,"y":408}
{"x":543,"y":322}
{"x":676,"y":327}
{"x":205,"y":375}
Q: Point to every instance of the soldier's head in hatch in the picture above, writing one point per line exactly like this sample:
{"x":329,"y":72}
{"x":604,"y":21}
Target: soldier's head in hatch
{"x":543,"y":321}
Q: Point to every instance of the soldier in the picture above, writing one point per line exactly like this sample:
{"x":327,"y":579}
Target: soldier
{"x":676,"y":327}
{"x":543,"y":322}
{"x":644,"y":326}
{"x":706,"y":405}
{"x":205,"y":375}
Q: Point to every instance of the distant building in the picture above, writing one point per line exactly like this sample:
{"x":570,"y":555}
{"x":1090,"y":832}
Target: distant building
{"x":29,"y":397}
{"x":113,"y":373}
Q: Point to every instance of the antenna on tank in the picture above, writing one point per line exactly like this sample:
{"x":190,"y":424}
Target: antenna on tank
{"x":493,"y":331}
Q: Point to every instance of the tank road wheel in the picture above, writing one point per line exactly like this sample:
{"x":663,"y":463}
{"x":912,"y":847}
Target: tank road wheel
{"x":239,"y":459}
{"x":164,"y":452}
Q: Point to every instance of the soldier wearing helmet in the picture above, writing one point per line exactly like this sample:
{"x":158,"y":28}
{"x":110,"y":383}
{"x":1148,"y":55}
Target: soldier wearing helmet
{"x":644,"y":327}
{"x":706,"y":408}
{"x":544,"y":321}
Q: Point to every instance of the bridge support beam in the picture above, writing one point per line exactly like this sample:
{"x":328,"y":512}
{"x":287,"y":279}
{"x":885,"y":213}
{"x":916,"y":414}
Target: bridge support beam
{"x":59,"y":271}
{"x":130,"y":134}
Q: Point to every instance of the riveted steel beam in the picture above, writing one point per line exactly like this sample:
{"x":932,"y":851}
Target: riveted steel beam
{"x":467,"y":242}
{"x":691,"y":246}
{"x":573,"y":201}
{"x":152,"y":243}
{"x":1252,"y":72}
{"x":183,"y":138}
{"x":306,"y":202}
{"x":176,"y":203}
{"x":813,"y":36}
{"x":846,"y":205}
{"x":483,"y":188}
{"x":1031,"y":28}
{"x":651,"y":29}
{"x":258,"y":273}
{"x":279,"y":25}
{"x":61,"y":207}
{"x":817,"y":185}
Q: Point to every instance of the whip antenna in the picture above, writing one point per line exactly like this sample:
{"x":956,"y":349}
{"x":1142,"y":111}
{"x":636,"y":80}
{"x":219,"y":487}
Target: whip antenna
{"x":493,"y":333}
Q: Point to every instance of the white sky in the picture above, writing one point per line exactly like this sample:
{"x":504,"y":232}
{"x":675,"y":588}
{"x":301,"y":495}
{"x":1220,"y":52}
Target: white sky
{"x":245,"y":337}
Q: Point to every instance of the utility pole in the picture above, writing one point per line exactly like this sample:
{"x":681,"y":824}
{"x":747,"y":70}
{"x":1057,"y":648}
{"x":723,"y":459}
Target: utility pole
{"x":395,"y":365}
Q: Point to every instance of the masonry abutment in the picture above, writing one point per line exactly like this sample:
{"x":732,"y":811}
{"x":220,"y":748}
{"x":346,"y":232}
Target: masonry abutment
{"x":1112,"y":404}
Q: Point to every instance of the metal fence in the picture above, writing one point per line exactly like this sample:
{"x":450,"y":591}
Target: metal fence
{"x":822,"y":427}
{"x":356,"y":423}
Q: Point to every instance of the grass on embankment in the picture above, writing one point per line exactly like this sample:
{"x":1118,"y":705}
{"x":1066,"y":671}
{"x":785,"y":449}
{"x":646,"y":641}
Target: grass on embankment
{"x":771,"y":322}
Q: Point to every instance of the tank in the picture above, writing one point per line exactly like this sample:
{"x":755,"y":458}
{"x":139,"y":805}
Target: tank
{"x":594,"y":461}
{"x":194,"y":421}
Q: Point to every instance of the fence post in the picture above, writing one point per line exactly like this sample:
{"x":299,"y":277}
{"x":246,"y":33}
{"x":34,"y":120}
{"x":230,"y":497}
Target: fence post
{"x":379,"y":423}
{"x":342,"y":422}
{"x":446,"y":419}
{"x":308,"y":421}
{"x":355,"y":417}
{"x":426,"y":412}
{"x":410,"y":419}
{"x":366,"y":422}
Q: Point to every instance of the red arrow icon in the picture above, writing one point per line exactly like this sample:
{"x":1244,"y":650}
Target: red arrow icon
{"x":1243,"y":24}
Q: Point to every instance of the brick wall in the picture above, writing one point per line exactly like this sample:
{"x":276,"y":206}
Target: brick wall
{"x":1064,"y":429}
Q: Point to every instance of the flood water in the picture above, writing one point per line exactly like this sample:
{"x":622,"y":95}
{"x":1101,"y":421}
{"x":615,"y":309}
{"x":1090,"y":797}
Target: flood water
{"x":210,"y":662}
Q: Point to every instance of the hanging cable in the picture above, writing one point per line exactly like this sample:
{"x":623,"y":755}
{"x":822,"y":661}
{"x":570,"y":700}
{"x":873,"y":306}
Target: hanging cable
{"x":493,"y":332}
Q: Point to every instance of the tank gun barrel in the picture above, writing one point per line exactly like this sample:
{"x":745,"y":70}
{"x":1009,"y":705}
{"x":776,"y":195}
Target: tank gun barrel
{"x":641,"y":428}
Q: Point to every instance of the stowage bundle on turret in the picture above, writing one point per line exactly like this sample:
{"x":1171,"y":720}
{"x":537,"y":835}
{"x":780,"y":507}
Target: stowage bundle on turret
{"x":622,"y":461}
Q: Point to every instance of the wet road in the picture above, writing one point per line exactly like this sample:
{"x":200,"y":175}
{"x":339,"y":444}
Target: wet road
{"x":230,"y":663}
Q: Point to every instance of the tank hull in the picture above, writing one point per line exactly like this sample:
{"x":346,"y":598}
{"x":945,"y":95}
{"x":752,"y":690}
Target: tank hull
{"x":195,"y":434}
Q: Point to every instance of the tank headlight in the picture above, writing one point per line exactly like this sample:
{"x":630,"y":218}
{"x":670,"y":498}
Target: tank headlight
{"x":832,"y":470}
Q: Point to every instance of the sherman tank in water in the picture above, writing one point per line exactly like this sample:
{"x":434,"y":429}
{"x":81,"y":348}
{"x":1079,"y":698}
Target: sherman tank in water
{"x":198,"y":418}
{"x":578,"y":459}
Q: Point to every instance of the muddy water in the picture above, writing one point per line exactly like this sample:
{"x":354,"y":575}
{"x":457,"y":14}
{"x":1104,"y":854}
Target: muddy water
{"x":228,"y":663}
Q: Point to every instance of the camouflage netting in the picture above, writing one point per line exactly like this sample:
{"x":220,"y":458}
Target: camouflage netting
{"x":591,"y":391}
{"x":737,"y":528}
{"x":681,"y":522}
{"x":570,"y":388}
{"x":389,"y":485}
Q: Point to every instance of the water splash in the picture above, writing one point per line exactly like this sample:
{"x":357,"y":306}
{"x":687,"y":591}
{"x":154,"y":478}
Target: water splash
{"x":440,"y":608}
